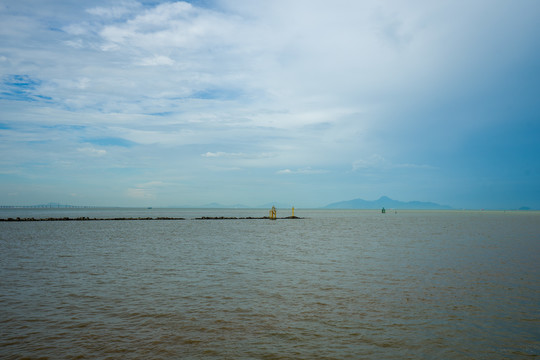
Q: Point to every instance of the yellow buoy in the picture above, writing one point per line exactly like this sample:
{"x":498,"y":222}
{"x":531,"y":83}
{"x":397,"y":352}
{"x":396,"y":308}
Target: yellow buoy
{"x":273,"y":212}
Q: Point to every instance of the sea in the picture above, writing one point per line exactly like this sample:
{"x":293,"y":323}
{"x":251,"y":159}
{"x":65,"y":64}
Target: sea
{"x":335,"y":284}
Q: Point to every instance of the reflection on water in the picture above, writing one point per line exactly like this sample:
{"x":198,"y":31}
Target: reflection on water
{"x":338,"y":284}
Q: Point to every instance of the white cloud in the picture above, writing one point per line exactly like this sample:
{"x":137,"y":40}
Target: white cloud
{"x":92,"y":151}
{"x":415,"y":166}
{"x":222,"y":154}
{"x":151,"y":184}
{"x":372,"y":161}
{"x":147,"y":190}
{"x":140,"y":193}
{"x":77,"y":44}
{"x":213,"y":154}
{"x":176,"y":24}
{"x":224,"y":168}
{"x":122,"y":9}
{"x":157,"y":60}
{"x":76,"y":30}
{"x":376,"y":161}
{"x":303,"y":171}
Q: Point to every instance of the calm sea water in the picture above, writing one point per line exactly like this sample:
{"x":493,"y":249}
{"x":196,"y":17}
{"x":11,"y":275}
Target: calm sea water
{"x":335,"y":285}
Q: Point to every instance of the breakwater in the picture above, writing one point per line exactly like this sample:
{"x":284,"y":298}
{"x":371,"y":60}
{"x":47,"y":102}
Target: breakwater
{"x":243,"y":218}
{"x":85,"y":218}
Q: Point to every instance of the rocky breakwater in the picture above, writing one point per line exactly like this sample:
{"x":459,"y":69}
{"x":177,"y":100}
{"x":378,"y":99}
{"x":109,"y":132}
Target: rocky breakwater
{"x":242,"y":218}
{"x":83,"y":218}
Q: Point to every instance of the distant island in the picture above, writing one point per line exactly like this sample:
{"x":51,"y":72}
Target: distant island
{"x":388,"y":203}
{"x":48,"y":206}
{"x":355,"y":204}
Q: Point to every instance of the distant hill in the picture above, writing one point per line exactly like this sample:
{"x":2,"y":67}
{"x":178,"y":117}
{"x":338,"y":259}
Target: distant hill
{"x":48,"y":206}
{"x":386,"y":202}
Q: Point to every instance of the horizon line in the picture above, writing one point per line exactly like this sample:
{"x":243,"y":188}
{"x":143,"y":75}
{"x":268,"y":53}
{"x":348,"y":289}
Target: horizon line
{"x":225,"y":207}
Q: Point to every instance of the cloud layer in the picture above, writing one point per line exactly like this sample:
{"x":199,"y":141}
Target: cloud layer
{"x":304,"y":102}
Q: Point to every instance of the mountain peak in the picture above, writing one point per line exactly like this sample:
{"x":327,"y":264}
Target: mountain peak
{"x":388,"y":203}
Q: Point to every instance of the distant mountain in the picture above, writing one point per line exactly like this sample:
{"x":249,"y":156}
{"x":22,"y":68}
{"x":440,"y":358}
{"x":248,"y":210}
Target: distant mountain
{"x":386,"y":202}
{"x":48,"y":205}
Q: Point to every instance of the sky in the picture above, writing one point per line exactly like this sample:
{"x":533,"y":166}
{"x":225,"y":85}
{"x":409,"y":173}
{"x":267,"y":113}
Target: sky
{"x":300,"y":102}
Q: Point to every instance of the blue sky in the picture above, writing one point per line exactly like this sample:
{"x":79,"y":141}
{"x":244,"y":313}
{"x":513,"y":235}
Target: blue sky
{"x":156,"y":103}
